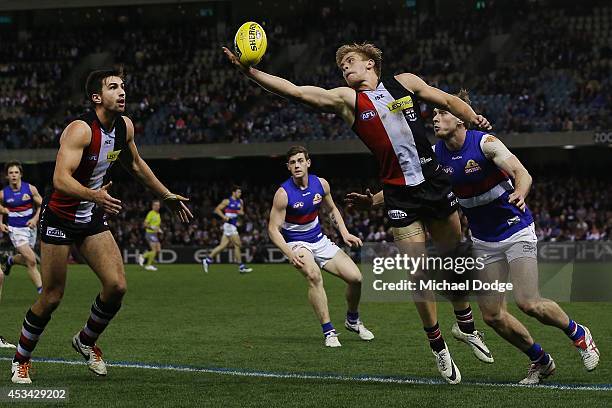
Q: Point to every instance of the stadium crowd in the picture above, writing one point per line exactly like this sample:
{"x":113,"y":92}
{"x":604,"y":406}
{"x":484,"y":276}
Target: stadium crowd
{"x":181,"y":89}
{"x":564,"y":210}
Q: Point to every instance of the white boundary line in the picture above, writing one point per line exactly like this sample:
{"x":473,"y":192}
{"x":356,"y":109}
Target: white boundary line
{"x":334,"y":377}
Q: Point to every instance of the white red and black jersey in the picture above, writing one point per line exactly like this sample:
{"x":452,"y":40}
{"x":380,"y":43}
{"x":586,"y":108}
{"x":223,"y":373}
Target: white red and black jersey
{"x":98,"y":157}
{"x":388,"y":120}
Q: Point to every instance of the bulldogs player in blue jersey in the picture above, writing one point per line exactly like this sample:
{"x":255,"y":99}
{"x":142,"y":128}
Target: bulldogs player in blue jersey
{"x":295,"y":229}
{"x":22,"y":202}
{"x":229,"y":210}
{"x":491,"y":185}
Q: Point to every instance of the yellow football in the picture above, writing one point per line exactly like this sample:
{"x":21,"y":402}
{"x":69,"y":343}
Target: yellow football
{"x":250,"y":43}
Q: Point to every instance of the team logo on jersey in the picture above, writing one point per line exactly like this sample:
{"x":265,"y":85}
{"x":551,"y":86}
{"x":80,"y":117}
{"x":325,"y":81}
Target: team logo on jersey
{"x":400,"y":104}
{"x":368,"y":115}
{"x":514,"y":220}
{"x":299,"y":204}
{"x":410,"y":114}
{"x":471,"y":167}
{"x":55,"y":232}
{"x":26,"y":197}
{"x":112,"y":156}
{"x":317,"y":198}
{"x":448,"y":170}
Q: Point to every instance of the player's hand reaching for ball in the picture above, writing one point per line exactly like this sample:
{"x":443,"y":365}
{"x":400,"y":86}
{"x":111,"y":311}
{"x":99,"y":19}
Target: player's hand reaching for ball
{"x":235,"y":61}
{"x":176,"y":203}
{"x":360,"y":201}
{"x":108,"y":203}
{"x":482,"y":123}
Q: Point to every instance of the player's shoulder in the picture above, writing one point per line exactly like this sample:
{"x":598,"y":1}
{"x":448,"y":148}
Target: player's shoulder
{"x":281,"y":193}
{"x":77,"y":132}
{"x":128,"y":122}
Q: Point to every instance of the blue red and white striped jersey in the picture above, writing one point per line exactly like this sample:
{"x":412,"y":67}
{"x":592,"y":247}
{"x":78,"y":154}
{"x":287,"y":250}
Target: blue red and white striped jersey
{"x":232,"y":210}
{"x":482,"y":189}
{"x":19,"y":204}
{"x":302,"y":216}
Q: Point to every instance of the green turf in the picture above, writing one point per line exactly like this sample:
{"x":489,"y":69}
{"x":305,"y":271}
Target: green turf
{"x":262,"y":321}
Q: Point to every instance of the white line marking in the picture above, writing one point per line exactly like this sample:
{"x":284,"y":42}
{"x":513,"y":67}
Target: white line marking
{"x":334,"y":377}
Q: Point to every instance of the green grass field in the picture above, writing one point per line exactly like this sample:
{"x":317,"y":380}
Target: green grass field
{"x":262,"y":322}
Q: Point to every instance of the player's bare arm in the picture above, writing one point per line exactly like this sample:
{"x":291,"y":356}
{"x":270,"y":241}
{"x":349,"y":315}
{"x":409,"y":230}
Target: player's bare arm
{"x":340,"y":101}
{"x":37,"y":201}
{"x":241,"y":211}
{"x":277,"y":216}
{"x":219,"y":209}
{"x":75,"y":138}
{"x":443,"y":100}
{"x":3,"y":211}
{"x":132,"y":161}
{"x":495,"y":150}
{"x":336,"y":218}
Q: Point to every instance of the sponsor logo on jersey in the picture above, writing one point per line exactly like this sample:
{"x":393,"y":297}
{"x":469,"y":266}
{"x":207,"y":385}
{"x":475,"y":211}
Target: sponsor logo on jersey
{"x":368,"y":115}
{"x":26,"y":197}
{"x":55,"y":232}
{"x":305,"y":194}
{"x":299,"y":204}
{"x":108,"y":142}
{"x":112,"y":156}
{"x":457,"y":157}
{"x":9,"y":200}
{"x":400,"y":104}
{"x":448,"y":169}
{"x":425,"y":160}
{"x":93,"y":157}
{"x":396,"y":214}
{"x":317,"y":198}
{"x":471,"y":167}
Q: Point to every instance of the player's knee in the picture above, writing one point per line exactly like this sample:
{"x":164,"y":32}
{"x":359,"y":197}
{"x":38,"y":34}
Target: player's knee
{"x":117,"y":289}
{"x":313,"y":276}
{"x":51,"y":298}
{"x":493,"y":319}
{"x":530,"y":307}
{"x":31,"y":262}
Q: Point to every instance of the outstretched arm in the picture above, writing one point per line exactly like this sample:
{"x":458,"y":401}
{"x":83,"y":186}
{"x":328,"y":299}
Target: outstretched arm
{"x":336,"y":218}
{"x":443,"y":100}
{"x":337,"y":100}
{"x":495,"y":150}
{"x":134,"y":164}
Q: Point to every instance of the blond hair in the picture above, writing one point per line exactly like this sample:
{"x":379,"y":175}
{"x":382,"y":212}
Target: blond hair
{"x":366,"y":50}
